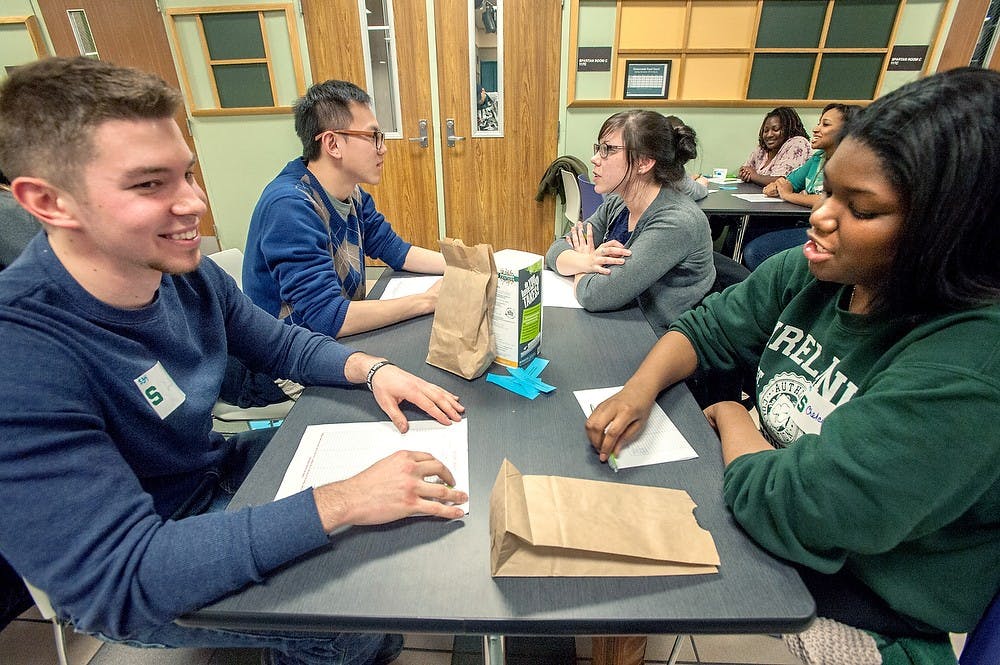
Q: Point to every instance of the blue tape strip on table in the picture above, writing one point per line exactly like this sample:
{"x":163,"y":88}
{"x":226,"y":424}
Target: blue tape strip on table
{"x":524,"y":382}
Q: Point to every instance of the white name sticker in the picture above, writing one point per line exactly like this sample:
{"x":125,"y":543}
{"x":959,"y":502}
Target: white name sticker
{"x":811,"y":410}
{"x":160,"y":390}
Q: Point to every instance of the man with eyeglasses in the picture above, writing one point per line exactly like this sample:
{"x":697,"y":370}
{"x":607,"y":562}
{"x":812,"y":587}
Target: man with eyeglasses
{"x":314,"y":225}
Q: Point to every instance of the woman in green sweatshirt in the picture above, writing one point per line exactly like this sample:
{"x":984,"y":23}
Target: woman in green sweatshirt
{"x":875,"y":350}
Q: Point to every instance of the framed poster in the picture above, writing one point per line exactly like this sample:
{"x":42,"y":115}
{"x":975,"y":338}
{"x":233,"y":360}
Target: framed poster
{"x":647,"y":79}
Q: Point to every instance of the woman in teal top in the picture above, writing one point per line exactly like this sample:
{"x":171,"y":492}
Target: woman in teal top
{"x":803,"y":186}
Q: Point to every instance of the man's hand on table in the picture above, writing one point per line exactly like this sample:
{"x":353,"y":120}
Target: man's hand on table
{"x":390,"y":489}
{"x":391,"y":386}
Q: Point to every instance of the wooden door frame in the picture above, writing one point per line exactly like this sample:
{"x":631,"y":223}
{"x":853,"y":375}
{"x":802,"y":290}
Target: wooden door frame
{"x":152,"y":47}
{"x":963,"y":35}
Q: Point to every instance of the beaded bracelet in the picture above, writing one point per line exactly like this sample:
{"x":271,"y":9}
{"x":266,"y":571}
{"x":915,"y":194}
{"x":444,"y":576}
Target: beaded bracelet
{"x":371,"y":373}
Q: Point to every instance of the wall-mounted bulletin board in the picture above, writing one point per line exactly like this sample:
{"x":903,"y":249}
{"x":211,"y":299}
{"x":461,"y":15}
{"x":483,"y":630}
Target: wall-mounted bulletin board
{"x":760,"y":52}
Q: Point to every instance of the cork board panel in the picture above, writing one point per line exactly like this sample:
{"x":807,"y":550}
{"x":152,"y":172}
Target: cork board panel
{"x":652,"y":24}
{"x":728,"y":25}
{"x":711,"y":76}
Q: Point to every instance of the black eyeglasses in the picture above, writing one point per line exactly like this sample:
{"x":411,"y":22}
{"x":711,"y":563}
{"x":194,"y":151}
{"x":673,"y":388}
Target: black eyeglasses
{"x":605,"y":149}
{"x":377,"y":137}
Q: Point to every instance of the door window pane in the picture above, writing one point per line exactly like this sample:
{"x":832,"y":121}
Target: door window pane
{"x":233,"y":36}
{"x":243,"y":86}
{"x":380,"y":63}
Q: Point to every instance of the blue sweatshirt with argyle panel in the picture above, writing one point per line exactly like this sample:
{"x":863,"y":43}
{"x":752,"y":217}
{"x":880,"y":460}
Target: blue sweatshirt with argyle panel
{"x":305,"y":251}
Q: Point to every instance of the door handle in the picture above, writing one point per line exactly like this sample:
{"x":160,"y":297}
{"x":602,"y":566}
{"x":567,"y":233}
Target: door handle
{"x":452,"y":139}
{"x":422,"y":138}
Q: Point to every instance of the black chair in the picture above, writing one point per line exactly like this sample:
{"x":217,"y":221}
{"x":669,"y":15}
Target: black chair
{"x":982,"y":645}
{"x":711,"y":386}
{"x":727,"y":272}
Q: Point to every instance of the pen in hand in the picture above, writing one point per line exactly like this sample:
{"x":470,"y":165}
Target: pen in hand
{"x":612,"y":460}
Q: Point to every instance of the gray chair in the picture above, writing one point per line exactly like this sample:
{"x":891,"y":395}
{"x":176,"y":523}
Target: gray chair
{"x":571,"y":186}
{"x":231,"y":260}
{"x":48,"y":613}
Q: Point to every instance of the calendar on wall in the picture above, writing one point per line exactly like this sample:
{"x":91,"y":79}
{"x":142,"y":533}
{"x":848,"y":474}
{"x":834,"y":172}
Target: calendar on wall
{"x":647,"y":79}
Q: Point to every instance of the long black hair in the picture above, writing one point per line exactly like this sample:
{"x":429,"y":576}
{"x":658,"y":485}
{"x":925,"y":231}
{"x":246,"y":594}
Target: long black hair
{"x":937,"y":140}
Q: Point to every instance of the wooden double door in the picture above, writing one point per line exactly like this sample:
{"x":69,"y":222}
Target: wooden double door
{"x":486,"y":185}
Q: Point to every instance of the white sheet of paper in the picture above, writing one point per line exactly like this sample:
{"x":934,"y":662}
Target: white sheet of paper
{"x":328,"y":453}
{"x":408,"y":286}
{"x":724,"y":181}
{"x":558,"y":291}
{"x":757,"y":198}
{"x":659,"y":442}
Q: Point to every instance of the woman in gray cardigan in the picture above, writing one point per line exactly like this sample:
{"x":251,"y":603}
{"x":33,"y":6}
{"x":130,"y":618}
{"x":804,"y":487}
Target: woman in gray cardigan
{"x":648,"y":242}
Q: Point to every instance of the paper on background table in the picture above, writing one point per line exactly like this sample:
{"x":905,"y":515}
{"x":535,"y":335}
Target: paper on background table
{"x":659,"y":442}
{"x":757,"y":198}
{"x":724,"y":181}
{"x":328,"y":453}
{"x":558,"y":291}
{"x":408,"y":286}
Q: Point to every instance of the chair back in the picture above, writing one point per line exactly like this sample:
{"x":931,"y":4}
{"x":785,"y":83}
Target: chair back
{"x":230,"y":260}
{"x":982,"y":645}
{"x":727,"y":272}
{"x":41,"y":600}
{"x":571,"y":186}
{"x":590,"y":200}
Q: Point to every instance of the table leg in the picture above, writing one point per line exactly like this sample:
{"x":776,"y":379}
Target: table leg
{"x":619,"y":650}
{"x":676,"y":650}
{"x":493,"y":650}
{"x":741,"y":231}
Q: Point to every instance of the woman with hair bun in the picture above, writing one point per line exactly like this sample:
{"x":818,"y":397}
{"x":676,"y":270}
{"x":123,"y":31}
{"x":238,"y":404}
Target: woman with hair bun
{"x":875,"y":355}
{"x":648,"y":242}
{"x":782,"y":147}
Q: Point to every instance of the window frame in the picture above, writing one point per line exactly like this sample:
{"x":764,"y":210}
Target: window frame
{"x":208,"y":63}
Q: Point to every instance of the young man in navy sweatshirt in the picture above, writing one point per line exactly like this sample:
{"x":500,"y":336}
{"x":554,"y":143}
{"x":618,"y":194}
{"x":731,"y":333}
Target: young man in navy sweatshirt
{"x":115,"y":335}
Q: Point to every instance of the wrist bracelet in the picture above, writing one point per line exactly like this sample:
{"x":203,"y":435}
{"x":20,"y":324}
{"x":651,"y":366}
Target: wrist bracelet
{"x":371,"y":372}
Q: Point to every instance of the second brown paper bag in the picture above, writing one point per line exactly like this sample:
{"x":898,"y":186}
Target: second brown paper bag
{"x":462,"y":335}
{"x":551,"y":526}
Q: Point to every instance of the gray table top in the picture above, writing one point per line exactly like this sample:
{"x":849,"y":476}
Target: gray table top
{"x":427,"y":575}
{"x":722,"y":202}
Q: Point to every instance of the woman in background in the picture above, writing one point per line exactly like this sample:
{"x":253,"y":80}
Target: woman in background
{"x":803,"y":186}
{"x":782,"y":146}
{"x":695,"y":186}
{"x":648,"y":241}
{"x":875,"y":350}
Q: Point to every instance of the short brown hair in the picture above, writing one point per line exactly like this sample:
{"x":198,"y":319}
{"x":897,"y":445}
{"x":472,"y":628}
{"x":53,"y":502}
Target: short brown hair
{"x":49,"y":109}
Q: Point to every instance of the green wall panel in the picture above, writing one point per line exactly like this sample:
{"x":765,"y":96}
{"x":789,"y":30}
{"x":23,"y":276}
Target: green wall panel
{"x":781,"y":76}
{"x":791,"y":23}
{"x":861,"y":23}
{"x":848,"y":76}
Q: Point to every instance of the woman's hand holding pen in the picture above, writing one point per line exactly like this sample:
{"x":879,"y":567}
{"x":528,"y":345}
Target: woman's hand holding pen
{"x":617,"y":420}
{"x":581,"y":239}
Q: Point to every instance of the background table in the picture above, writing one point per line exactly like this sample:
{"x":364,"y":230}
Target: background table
{"x":427,"y":575}
{"x":723,"y":202}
